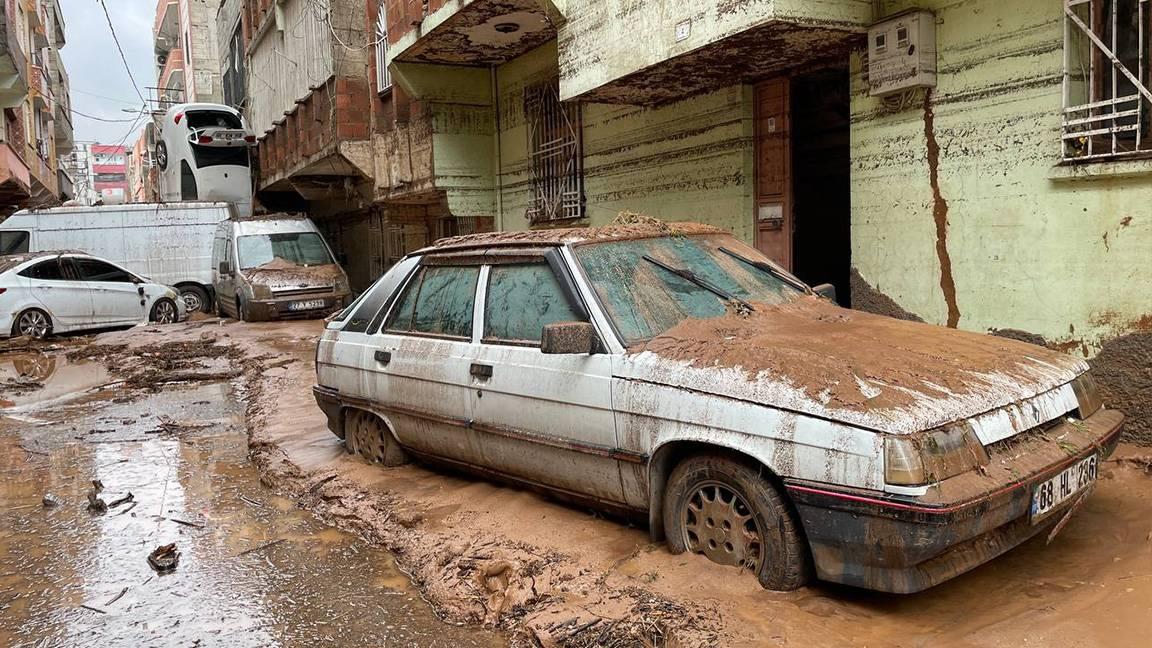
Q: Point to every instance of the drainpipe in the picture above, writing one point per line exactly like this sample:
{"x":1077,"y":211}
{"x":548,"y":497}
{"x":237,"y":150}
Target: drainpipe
{"x":496,"y":163}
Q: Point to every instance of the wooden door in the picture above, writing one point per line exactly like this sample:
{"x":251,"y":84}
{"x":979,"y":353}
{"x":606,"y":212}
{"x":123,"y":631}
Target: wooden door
{"x":773,"y":217}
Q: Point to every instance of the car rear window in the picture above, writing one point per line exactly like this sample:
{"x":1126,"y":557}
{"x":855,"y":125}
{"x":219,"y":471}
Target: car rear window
{"x":438,"y":301}
{"x":13,"y":242}
{"x":522,"y":300}
{"x":46,"y":270}
{"x":197,"y":119}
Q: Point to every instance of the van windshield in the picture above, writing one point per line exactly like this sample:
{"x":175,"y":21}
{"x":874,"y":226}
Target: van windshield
{"x":277,"y":251}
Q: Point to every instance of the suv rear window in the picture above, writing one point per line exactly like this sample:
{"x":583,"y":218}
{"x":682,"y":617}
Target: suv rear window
{"x":438,"y":301}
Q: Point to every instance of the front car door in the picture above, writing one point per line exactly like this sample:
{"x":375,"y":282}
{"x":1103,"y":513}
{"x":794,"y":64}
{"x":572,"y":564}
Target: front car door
{"x":68,"y":300}
{"x":422,"y":358}
{"x":116,"y":296}
{"x":544,"y":418}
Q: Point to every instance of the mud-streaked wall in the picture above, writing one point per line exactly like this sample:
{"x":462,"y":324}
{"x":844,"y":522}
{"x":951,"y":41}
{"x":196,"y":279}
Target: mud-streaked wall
{"x":961,"y":212}
{"x":691,"y":159}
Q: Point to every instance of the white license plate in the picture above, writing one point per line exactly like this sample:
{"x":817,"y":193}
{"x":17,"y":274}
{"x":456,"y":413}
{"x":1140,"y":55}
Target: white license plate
{"x":1049,"y":494}
{"x":229,"y":135}
{"x":311,"y":304}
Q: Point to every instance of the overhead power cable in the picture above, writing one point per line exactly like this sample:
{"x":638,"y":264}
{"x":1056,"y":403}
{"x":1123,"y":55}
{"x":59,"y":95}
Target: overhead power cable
{"x":121,"y":50}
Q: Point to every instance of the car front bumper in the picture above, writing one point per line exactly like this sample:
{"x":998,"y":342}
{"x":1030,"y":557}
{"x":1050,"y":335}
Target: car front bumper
{"x":281,"y":309}
{"x":905,"y":544}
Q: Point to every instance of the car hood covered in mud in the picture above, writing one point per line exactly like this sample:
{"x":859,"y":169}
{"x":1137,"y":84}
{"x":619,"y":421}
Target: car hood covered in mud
{"x":813,"y":357}
{"x":283,"y":275}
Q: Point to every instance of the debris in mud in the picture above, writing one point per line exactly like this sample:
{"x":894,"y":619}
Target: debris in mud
{"x":164,"y":558}
{"x":95,"y":503}
{"x":122,"y":500}
{"x":51,"y":501}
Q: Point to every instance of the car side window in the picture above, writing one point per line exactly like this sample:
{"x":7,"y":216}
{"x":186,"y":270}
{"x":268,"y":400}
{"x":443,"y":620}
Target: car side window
{"x":438,"y":301}
{"x":45,"y":270}
{"x":13,"y":242}
{"x":522,"y":300}
{"x":96,"y":270}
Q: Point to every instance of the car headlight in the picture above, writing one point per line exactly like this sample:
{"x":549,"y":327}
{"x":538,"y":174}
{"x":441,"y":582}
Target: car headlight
{"x":1088,"y":398}
{"x":171,"y":294}
{"x":260,"y":291}
{"x":933,"y":456}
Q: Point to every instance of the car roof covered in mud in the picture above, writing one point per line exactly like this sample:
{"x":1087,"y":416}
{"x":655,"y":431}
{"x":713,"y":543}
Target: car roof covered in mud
{"x":647,"y":228}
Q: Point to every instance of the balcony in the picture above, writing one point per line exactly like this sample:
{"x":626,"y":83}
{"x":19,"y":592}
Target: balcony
{"x":13,"y":64}
{"x":39,"y":88}
{"x":15,"y":179}
{"x":683,"y":52}
{"x":475,"y":32}
{"x":166,"y":29}
{"x":172,"y":73}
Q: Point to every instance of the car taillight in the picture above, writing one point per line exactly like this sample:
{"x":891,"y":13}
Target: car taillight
{"x":205,"y":139}
{"x":3,"y":290}
{"x":178,"y":117}
{"x":251,"y":139}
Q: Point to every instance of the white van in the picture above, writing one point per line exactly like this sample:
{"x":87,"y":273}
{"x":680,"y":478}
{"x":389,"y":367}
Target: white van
{"x":275,"y":266}
{"x":170,"y":244}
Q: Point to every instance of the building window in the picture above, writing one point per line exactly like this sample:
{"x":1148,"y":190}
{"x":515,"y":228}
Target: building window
{"x":1106,"y":79}
{"x":383,"y":77}
{"x":555,"y":154}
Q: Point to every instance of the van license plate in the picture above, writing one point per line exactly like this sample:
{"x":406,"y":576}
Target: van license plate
{"x":1049,"y":494}
{"x":311,"y":304}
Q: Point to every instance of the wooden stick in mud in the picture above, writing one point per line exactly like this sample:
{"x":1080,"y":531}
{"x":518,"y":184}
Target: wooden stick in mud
{"x":261,"y":547}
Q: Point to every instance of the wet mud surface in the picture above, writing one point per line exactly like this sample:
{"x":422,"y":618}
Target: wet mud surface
{"x":253,"y":568}
{"x":510,"y":566}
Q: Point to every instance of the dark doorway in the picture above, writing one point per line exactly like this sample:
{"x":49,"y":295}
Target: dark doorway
{"x":821,"y":203}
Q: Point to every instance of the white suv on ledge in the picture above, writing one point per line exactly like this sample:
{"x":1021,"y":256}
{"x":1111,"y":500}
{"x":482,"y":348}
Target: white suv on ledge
{"x":673,"y":371}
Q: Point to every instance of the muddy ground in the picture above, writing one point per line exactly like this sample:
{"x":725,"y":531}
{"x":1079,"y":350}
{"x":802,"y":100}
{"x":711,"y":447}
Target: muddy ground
{"x":531,"y":571}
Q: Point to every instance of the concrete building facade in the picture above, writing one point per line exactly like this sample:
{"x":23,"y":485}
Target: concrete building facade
{"x":187,"y":59}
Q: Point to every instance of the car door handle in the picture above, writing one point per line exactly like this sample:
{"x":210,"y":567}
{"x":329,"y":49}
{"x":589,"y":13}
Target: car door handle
{"x":383,"y":357}
{"x":481,"y":370}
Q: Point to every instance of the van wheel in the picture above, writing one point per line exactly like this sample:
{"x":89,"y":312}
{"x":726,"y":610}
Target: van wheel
{"x":33,"y":323}
{"x":725,"y":510}
{"x":366,"y":435}
{"x":195,"y":298}
{"x":241,"y":309}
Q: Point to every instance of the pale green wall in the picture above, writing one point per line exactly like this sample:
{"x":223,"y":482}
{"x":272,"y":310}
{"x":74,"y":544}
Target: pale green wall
{"x":690,"y":160}
{"x":1055,"y":251}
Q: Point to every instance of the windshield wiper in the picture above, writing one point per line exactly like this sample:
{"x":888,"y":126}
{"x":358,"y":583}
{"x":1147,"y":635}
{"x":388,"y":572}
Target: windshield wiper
{"x":766,"y":267}
{"x":688,"y":275}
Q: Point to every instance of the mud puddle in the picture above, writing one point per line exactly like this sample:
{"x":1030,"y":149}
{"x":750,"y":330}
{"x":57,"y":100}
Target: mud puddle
{"x":253,"y":570}
{"x":28,"y":377}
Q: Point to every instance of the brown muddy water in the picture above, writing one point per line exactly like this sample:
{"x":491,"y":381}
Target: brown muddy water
{"x":253,"y":569}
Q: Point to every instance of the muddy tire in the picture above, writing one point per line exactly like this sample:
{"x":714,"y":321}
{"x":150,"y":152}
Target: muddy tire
{"x":723,"y":508}
{"x":241,"y":309}
{"x":164,"y":312}
{"x":33,"y":323}
{"x":366,"y":435}
{"x":195,"y":299}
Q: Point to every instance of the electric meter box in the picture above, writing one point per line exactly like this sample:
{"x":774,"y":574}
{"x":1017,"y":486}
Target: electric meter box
{"x":902,"y":53}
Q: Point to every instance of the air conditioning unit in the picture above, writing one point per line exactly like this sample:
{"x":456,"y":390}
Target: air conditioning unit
{"x":902,"y":53}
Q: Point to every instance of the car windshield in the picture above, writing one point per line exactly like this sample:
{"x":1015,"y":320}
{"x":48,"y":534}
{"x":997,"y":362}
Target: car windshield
{"x":650,"y":285}
{"x":277,"y":251}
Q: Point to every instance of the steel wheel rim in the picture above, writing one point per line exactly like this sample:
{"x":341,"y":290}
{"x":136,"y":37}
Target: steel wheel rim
{"x":719,"y":523}
{"x":192,"y":302}
{"x":34,"y":324}
{"x":165,"y":312}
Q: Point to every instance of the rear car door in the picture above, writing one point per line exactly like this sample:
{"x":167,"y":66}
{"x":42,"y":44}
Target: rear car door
{"x":422,"y":358}
{"x":116,"y":297}
{"x":54,"y":283}
{"x":545,"y":418}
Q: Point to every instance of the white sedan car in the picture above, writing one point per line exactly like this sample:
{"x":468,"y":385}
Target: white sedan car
{"x":58,"y":292}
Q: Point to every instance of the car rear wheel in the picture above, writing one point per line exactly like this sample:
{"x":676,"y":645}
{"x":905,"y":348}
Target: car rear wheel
{"x":195,"y":298}
{"x":366,"y":435}
{"x":724,"y":509}
{"x":164,"y":311}
{"x":33,"y":323}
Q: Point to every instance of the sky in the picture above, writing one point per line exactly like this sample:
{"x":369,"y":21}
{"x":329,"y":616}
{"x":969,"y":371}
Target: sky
{"x":100,"y":84}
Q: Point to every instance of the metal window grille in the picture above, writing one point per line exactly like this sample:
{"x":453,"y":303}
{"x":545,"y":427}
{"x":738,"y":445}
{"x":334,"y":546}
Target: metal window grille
{"x":1106,"y":78}
{"x":383,"y":77}
{"x":555,"y":155}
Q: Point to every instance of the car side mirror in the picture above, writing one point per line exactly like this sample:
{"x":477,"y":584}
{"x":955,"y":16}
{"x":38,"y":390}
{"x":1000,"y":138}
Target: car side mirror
{"x":225,"y":268}
{"x":568,"y":338}
{"x":826,"y":290}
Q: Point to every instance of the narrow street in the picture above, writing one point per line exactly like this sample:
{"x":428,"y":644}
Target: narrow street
{"x":253,"y":570}
{"x":286,"y":540}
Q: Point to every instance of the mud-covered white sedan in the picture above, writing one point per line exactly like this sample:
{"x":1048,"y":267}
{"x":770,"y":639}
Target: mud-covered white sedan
{"x":673,"y":371}
{"x":58,"y":292}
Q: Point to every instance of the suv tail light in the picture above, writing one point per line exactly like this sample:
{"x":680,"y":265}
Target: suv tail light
{"x":205,"y":139}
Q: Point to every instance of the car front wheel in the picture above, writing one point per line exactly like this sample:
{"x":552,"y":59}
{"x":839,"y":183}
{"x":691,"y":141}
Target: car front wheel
{"x":164,"y":311}
{"x":33,"y":323}
{"x":724,"y":509}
